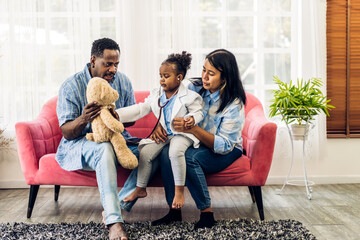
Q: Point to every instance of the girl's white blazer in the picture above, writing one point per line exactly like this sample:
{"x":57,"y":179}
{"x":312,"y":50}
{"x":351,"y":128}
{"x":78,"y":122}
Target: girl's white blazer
{"x":187,"y":103}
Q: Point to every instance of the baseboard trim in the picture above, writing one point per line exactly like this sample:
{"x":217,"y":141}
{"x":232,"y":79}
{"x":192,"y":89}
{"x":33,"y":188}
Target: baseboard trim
{"x":4,"y":184}
{"x":348,"y":179}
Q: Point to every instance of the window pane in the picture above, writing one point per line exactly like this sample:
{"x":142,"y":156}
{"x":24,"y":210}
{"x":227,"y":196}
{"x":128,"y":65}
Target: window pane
{"x":247,"y":67}
{"x":108,"y":27}
{"x":250,"y":91}
{"x":60,"y":70}
{"x":277,"y":5}
{"x":165,"y":5}
{"x":58,"y":5}
{"x":240,"y":5}
{"x":277,"y":32}
{"x":59,"y":33}
{"x":106,"y":5}
{"x":269,"y":96}
{"x":210,"y":32}
{"x":164,"y":30}
{"x":277,"y":64}
{"x":40,"y":23}
{"x":41,"y":70}
{"x":240,"y":32}
{"x":209,"y":5}
{"x":40,"y":6}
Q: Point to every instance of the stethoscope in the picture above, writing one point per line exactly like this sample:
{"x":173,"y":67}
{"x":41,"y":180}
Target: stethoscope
{"x":161,"y":108}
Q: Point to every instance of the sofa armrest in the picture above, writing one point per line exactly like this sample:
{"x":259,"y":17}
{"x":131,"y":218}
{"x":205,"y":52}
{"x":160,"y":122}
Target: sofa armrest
{"x":260,"y":143}
{"x":34,"y":140}
{"x":26,"y":149}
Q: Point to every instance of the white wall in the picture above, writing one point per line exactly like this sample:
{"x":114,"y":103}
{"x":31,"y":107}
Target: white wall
{"x":339,"y":163}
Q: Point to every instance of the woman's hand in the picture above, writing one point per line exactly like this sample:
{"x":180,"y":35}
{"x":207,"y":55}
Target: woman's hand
{"x":159,"y":134}
{"x":179,"y":125}
{"x":204,"y":136}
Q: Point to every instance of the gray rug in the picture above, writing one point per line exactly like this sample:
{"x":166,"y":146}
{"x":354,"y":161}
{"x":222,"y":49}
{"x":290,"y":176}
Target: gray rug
{"x":224,"y":229}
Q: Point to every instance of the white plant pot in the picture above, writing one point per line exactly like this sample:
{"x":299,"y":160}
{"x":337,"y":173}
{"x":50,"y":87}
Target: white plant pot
{"x":299,"y":132}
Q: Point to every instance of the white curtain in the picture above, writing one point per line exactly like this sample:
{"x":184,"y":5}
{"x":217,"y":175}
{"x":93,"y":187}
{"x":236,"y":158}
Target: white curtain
{"x":308,"y":60}
{"x":44,"y":42}
{"x":314,"y":62}
{"x":16,"y":61}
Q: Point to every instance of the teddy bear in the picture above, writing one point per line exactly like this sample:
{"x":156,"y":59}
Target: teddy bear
{"x":105,"y":127}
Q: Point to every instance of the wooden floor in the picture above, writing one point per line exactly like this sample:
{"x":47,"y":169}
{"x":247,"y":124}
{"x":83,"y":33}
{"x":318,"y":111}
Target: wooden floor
{"x":333,"y":212}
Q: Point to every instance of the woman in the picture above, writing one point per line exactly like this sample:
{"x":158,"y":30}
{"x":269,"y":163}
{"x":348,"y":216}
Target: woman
{"x":219,"y":133}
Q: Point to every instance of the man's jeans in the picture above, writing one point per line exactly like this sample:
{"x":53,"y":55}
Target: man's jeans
{"x":101,"y":158}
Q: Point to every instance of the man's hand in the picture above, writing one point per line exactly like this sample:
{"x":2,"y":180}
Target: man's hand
{"x":73,"y":129}
{"x":159,"y":134}
{"x":91,"y":111}
{"x":189,"y":122}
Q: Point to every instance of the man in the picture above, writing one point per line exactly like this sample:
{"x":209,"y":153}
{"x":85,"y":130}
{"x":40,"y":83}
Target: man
{"x":75,"y":115}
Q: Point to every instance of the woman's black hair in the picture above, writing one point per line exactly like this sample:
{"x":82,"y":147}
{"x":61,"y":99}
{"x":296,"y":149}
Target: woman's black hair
{"x":182,"y":62}
{"x":100,"y":45}
{"x":225,"y":62}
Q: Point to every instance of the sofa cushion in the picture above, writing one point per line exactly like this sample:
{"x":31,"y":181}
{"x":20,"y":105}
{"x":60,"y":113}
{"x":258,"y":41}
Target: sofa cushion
{"x":50,"y":173}
{"x":232,"y":175}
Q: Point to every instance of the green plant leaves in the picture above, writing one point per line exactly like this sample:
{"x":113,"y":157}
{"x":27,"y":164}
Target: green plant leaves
{"x":299,"y":102}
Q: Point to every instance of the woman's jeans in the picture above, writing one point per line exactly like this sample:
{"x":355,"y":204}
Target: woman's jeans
{"x":198,"y":162}
{"x":101,"y":158}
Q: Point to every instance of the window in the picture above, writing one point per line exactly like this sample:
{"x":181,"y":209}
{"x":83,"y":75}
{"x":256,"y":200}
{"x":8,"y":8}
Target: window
{"x":259,"y":33}
{"x":44,"y":42}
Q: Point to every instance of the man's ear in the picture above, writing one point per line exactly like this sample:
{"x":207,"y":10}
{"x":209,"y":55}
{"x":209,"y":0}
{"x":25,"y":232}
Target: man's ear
{"x":92,"y":60}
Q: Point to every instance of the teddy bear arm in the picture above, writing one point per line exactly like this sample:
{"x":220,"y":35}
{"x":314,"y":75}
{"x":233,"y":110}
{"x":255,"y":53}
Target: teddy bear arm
{"x":124,"y":155}
{"x":112,"y":123}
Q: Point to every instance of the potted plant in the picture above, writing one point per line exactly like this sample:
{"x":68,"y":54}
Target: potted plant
{"x":299,"y":103}
{"x":5,"y":142}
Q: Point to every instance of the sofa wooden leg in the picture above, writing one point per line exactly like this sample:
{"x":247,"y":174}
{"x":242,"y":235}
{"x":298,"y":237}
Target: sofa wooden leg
{"x":56,"y":194}
{"x":32,"y":197}
{"x":259,"y":201}
{"x":252,"y":193}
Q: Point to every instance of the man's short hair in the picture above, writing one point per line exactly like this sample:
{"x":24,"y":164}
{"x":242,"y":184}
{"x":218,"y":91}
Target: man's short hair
{"x":100,"y":45}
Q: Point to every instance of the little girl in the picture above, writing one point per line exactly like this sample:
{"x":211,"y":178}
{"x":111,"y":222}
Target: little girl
{"x":170,"y":101}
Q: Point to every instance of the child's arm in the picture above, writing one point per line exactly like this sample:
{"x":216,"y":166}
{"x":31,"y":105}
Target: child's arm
{"x":133,"y":112}
{"x":137,"y":111}
{"x":195,"y":111}
{"x":189,"y":122}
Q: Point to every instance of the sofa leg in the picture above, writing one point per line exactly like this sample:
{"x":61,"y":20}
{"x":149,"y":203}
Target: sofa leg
{"x":259,"y":202}
{"x":56,"y":194}
{"x":252,"y":193}
{"x":32,"y":197}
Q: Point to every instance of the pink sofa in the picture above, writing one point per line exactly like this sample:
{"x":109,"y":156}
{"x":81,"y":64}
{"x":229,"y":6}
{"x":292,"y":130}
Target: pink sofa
{"x":38,"y":140}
